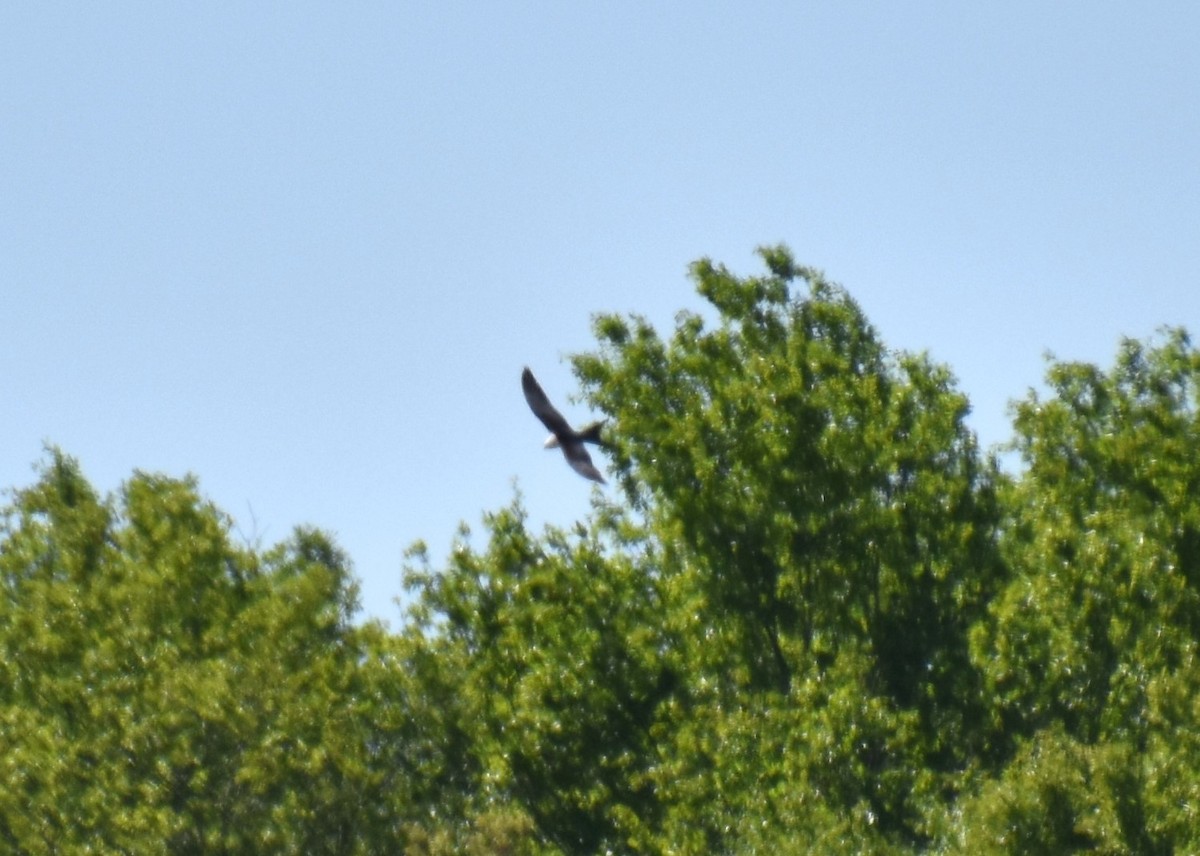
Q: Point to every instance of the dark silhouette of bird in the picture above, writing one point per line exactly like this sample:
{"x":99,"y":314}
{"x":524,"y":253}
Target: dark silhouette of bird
{"x":562,"y":434}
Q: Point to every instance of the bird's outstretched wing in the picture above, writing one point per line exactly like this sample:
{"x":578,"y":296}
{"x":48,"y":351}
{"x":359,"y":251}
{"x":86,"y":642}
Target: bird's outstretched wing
{"x":543,"y":409}
{"x":581,"y":462}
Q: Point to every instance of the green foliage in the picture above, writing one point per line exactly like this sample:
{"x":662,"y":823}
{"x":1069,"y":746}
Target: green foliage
{"x":1056,"y":796}
{"x":1106,"y":520}
{"x":559,"y":665}
{"x":164,"y":690}
{"x":1096,"y":634}
{"x":823,"y":511}
{"x":817,"y":620}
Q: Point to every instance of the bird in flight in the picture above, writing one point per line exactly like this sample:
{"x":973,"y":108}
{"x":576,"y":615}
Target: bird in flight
{"x":562,"y":434}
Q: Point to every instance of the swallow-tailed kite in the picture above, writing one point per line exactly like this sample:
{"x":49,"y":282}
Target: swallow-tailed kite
{"x":564,"y":436}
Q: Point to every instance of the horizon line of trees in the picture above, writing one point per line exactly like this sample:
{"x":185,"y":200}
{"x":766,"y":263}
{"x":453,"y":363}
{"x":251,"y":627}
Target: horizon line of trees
{"x":816,"y":619}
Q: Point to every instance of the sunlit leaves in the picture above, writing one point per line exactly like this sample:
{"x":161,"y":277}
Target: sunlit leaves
{"x":559,"y":668}
{"x":167,"y":690}
{"x":1056,"y":796}
{"x":1095,"y":636}
{"x":818,"y":501}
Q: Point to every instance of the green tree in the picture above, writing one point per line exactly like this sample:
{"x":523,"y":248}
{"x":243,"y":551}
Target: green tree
{"x":1055,"y":796}
{"x":816,"y":619}
{"x":165,"y":690}
{"x":553,"y":661}
{"x":770,"y":651}
{"x":1096,"y":634}
{"x":826,"y":526}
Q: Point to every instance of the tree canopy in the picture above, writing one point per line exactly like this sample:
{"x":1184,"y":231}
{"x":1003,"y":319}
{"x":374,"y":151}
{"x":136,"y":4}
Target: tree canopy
{"x":812,"y":616}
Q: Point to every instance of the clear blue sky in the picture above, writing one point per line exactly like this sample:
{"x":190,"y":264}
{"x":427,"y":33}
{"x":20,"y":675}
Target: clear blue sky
{"x":303,"y":250}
